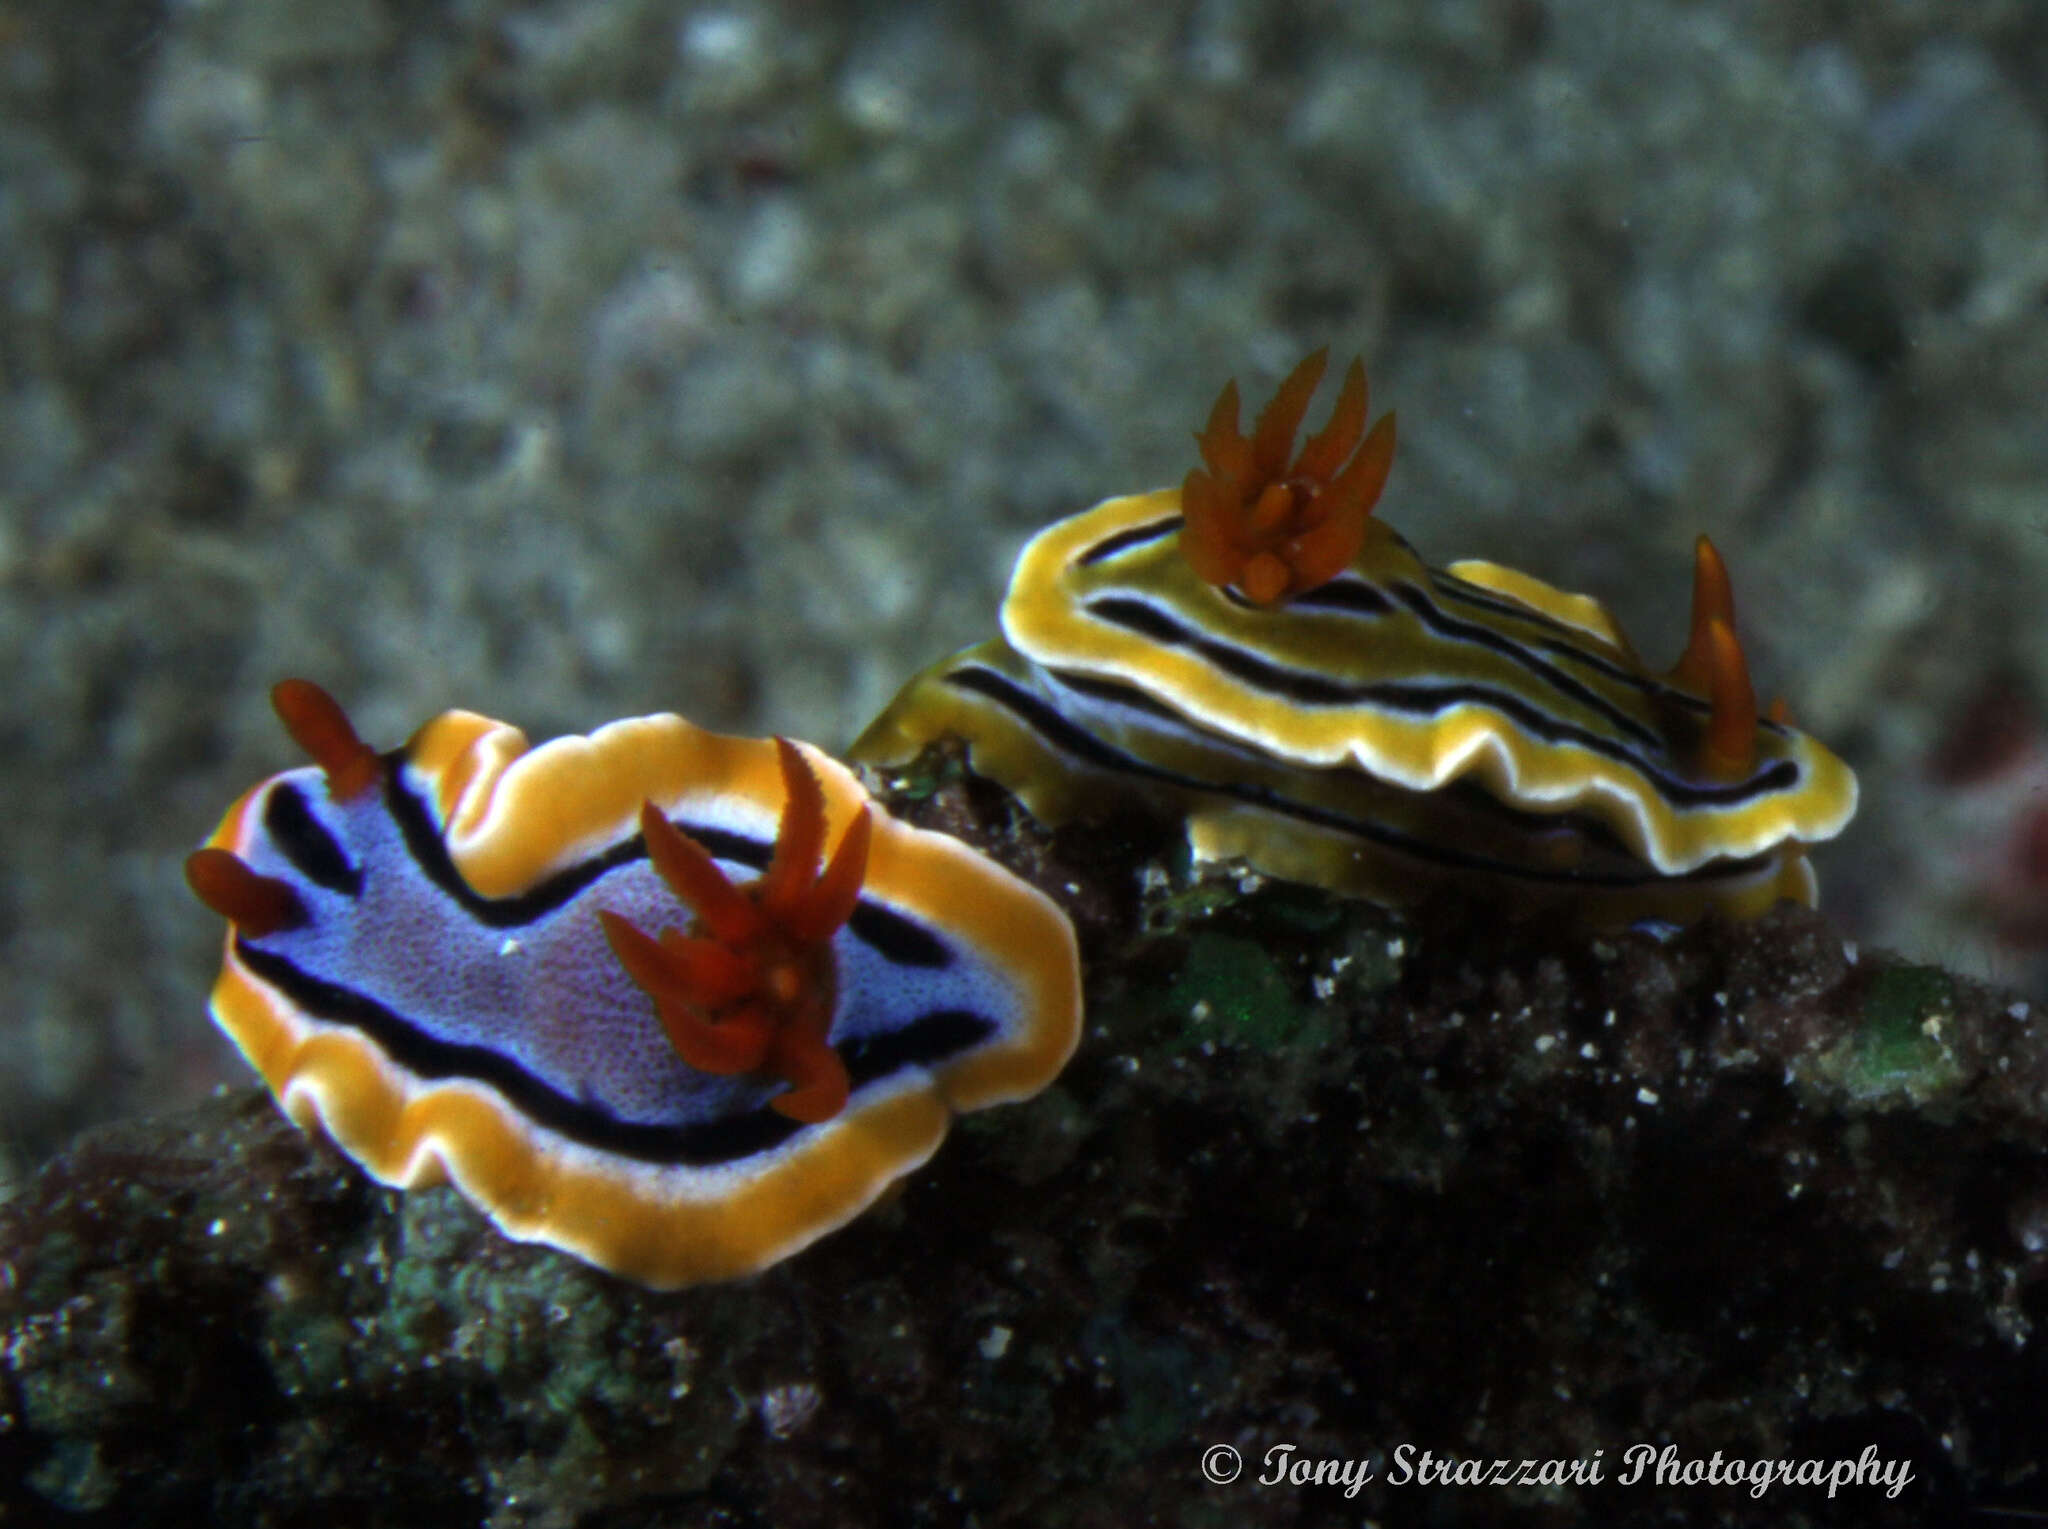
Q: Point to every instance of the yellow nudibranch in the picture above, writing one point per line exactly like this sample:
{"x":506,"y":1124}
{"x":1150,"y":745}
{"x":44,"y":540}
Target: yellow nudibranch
{"x":616,"y":988}
{"x":1257,"y":653}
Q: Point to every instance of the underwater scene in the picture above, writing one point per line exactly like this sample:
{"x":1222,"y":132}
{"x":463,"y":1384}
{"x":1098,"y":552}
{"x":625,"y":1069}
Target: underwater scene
{"x":1231,"y":763}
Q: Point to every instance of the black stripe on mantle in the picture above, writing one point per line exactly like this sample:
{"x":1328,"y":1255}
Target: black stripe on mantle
{"x":930,"y":1039}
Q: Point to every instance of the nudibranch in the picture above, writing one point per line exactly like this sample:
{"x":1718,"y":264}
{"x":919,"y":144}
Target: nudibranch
{"x":1069,"y":747}
{"x":675,"y":1002}
{"x":1348,"y":719}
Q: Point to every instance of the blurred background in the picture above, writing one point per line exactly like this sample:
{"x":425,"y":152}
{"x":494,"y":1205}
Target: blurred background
{"x":570,"y":360}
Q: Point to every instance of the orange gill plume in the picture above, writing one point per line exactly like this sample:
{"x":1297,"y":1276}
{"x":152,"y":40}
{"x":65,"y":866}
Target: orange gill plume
{"x":1271,"y":527}
{"x":753,"y":989}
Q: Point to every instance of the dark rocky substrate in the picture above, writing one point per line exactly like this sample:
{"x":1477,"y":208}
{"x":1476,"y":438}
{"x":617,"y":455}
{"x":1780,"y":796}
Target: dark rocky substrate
{"x":1319,"y":1176}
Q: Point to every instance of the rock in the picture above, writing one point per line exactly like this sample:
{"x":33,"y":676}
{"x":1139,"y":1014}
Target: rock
{"x":1323,"y":1185}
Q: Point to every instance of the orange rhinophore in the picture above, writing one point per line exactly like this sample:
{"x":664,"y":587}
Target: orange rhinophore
{"x":318,"y":725}
{"x":256,"y":905}
{"x":1713,"y":665}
